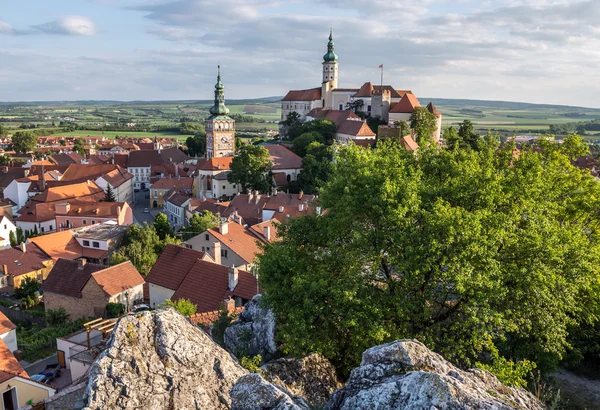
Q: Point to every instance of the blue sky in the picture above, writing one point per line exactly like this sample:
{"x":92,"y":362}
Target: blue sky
{"x":544,"y":51}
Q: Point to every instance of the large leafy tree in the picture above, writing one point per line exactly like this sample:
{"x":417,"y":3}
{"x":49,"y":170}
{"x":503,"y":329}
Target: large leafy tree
{"x":196,"y":145}
{"x":301,"y":143}
{"x":467,"y":135}
{"x":24,"y":141}
{"x":79,"y":146}
{"x":468,"y":251}
{"x":251,"y":168}
{"x":423,"y":124}
{"x":200,"y":222}
{"x":316,"y":167}
{"x":162,"y":226}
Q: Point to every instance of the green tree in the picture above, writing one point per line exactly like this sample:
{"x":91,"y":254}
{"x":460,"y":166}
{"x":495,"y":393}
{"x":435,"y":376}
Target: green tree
{"x":12,"y":238}
{"x":142,"y":246}
{"x":24,"y":141}
{"x":404,"y":128}
{"x":251,"y":168}
{"x":114,"y":309}
{"x":28,"y":287}
{"x":452,"y":138}
{"x":200,"y":222}
{"x":321,"y":126}
{"x":5,"y":159}
{"x":423,"y":123}
{"x":79,"y":146}
{"x":192,"y":128}
{"x":301,"y":143}
{"x":355,"y":106}
{"x":196,"y":145}
{"x":20,"y":235}
{"x":239,"y":143}
{"x":221,"y":324}
{"x":317,"y":167}
{"x":56,"y":317}
{"x":3,"y":131}
{"x":162,"y":226}
{"x":465,"y":250}
{"x":467,"y":134}
{"x":62,"y":143}
{"x":183,"y":306}
{"x":109,"y":195}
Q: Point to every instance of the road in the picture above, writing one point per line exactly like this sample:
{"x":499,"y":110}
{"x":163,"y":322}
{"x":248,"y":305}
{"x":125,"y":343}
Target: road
{"x":141,"y":203}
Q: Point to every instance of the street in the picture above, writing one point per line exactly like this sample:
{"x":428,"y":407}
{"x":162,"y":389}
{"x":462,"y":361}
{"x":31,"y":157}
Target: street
{"x":141,"y":203}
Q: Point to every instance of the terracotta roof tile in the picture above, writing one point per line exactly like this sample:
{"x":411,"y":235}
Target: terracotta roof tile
{"x":66,"y":278}
{"x":259,"y":230}
{"x":174,"y":183}
{"x":215,"y":164}
{"x":206,"y":285}
{"x":5,"y":324}
{"x":206,"y":319}
{"x":303,"y":95}
{"x":283,"y":158}
{"x":59,"y":245}
{"x":239,"y":240}
{"x":431,"y":108}
{"x":407,"y":104}
{"x":172,"y":265}
{"x":18,"y":262}
{"x":355,"y":128}
{"x":81,"y":191}
{"x":409,"y":143}
{"x":118,"y":278}
{"x":9,"y":366}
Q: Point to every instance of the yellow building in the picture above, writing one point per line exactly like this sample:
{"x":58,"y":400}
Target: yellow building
{"x":23,"y":261}
{"x":16,"y":387}
{"x":164,"y":185}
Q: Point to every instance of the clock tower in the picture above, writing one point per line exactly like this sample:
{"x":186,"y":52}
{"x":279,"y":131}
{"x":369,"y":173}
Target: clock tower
{"x":220,"y":128}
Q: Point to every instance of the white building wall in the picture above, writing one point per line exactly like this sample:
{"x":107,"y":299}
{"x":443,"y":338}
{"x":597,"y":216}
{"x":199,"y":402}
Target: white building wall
{"x":6,"y":227}
{"x":103,"y":245}
{"x":159,"y":294}
{"x":10,"y":338}
{"x":47,"y":226}
{"x":17,"y":192}
{"x":135,"y":293}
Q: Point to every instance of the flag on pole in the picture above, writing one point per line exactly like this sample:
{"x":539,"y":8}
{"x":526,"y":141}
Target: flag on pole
{"x":381,"y":66}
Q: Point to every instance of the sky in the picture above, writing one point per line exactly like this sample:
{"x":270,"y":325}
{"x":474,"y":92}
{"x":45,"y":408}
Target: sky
{"x":539,"y":51}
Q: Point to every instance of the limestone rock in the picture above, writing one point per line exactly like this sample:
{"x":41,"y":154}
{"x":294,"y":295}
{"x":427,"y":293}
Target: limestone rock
{"x":312,"y":377}
{"x":253,"y":333}
{"x":159,"y":360}
{"x":252,"y":392}
{"x":406,"y":375}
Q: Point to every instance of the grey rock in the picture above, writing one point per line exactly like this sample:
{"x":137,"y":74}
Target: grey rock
{"x":312,"y":377}
{"x":253,"y":333}
{"x":159,"y":360}
{"x":406,"y":375}
{"x":71,"y":398}
{"x":252,"y":392}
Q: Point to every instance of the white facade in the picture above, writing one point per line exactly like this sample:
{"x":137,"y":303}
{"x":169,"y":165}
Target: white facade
{"x":42,"y":226}
{"x":93,"y":243}
{"x":175,"y":213}
{"x":141,"y":175}
{"x":17,"y":192}
{"x":10,"y":339}
{"x":301,"y":107}
{"x":73,"y":345}
{"x":6,"y":227}
{"x":123,"y":193}
{"x":159,"y":294}
{"x":209,"y":187}
{"x":134,"y":294}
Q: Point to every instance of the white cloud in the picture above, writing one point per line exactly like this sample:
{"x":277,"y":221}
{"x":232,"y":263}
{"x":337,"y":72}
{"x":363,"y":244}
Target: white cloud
{"x":6,"y":28}
{"x":69,"y":25}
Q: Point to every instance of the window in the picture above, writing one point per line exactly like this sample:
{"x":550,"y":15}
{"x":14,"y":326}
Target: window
{"x":42,"y":229}
{"x":93,"y":222}
{"x":84,"y":222}
{"x":234,"y":187}
{"x":341,"y":107}
{"x":223,"y":253}
{"x":96,"y":244}
{"x":206,"y":237}
{"x":369,"y":108}
{"x":203,"y":249}
{"x":86,"y":243}
{"x":288,"y":177}
{"x":223,"y":186}
{"x":68,"y":223}
{"x":51,"y":227}
{"x":155,"y":194}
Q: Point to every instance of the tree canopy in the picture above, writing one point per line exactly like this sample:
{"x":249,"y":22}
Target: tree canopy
{"x":251,"y":168}
{"x":301,"y":143}
{"x":24,"y":141}
{"x":423,"y":124}
{"x":466,"y":250}
{"x":200,"y":222}
{"x":79,"y":146}
{"x":196,"y":145}
{"x":162,"y":226}
{"x":316,"y":167}
{"x":109,"y":194}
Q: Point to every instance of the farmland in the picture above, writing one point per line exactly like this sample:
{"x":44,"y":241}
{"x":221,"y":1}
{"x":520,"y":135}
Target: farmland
{"x":257,"y":117}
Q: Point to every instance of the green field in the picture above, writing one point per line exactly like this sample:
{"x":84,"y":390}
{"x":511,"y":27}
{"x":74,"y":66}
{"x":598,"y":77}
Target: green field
{"x":113,"y":134}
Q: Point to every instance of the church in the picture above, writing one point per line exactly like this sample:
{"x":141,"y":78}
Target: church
{"x":331,"y":102}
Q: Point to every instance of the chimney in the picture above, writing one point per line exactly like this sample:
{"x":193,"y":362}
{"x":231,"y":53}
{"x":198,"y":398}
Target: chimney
{"x":301,"y":207}
{"x":233,"y":277}
{"x":118,"y":210}
{"x":217,"y":252}
{"x":5,"y":269}
{"x":300,"y":195}
{"x":23,"y":247}
{"x":81,"y":263}
{"x":281,"y":209}
{"x":224,"y":228}
{"x":250,"y":197}
{"x":318,"y":211}
{"x":257,"y":198}
{"x":230,"y":305}
{"x":267,"y":232}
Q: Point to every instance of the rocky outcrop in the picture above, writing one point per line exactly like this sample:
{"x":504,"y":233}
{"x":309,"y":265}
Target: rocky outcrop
{"x":253,"y":392}
{"x":159,"y":360}
{"x":253,"y":333}
{"x":312,"y":377}
{"x":405,"y":374}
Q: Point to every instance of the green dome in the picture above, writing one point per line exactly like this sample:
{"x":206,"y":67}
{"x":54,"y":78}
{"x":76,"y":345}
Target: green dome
{"x":330,"y":56}
{"x":219,"y":108}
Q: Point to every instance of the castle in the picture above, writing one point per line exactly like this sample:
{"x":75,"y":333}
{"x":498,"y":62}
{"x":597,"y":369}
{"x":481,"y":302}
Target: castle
{"x":329,"y":101}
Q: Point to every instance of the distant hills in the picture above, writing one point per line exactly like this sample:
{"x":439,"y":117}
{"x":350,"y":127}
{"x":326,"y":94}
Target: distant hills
{"x":437,"y":101}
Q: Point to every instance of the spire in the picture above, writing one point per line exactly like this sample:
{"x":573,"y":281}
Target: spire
{"x":219,"y":108}
{"x":330,"y":56}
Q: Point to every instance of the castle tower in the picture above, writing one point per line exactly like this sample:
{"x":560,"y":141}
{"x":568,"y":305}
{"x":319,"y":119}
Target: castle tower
{"x":330,"y":74}
{"x":220,"y":128}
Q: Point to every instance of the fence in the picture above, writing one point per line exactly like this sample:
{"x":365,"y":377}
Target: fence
{"x":21,"y":316}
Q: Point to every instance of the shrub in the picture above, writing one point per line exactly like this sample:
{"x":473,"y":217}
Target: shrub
{"x":252,"y":364}
{"x":222,"y":323}
{"x":507,"y":371}
{"x":56,"y":317}
{"x":114,"y":309}
{"x":184,"y":306}
{"x":28,"y":287}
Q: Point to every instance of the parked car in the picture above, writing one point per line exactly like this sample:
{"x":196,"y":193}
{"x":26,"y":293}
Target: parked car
{"x":146,"y":211}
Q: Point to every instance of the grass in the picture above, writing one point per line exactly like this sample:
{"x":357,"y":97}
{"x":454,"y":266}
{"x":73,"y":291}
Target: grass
{"x":113,"y":134}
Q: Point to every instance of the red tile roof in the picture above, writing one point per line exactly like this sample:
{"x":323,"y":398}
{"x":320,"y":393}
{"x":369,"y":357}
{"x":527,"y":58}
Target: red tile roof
{"x":36,"y":212}
{"x":5,"y":324}
{"x":259,"y":230}
{"x":83,"y":191}
{"x":9,"y":366}
{"x":409,"y":143}
{"x":173,"y":183}
{"x":335,"y":116}
{"x":239,"y":240}
{"x":368,"y":89}
{"x":118,"y":278}
{"x":59,"y":245}
{"x":215,"y":164}
{"x":365,"y":91}
{"x":206,"y":285}
{"x":355,"y":128}
{"x":431,"y":108}
{"x":407,"y":104}
{"x":283,"y":158}
{"x":66,"y":278}
{"x":172,"y":265}
{"x":206,"y":319}
{"x":208,"y":204}
{"x":19,"y":263}
{"x":303,"y":95}
{"x":280,"y":179}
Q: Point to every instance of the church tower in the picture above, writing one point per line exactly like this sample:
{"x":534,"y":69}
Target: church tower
{"x":220,"y":128}
{"x":330,"y":74}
